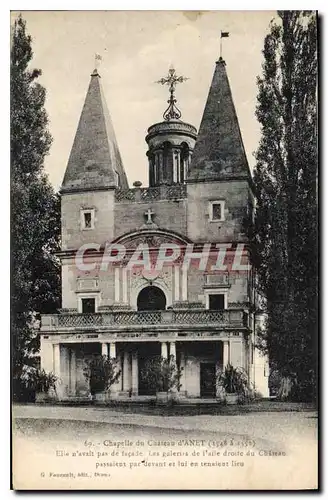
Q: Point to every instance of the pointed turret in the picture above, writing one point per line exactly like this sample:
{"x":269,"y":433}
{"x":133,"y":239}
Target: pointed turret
{"x":95,"y":161}
{"x":219,"y":151}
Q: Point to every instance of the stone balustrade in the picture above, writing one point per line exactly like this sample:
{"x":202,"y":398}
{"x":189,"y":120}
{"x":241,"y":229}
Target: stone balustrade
{"x":149,"y":194}
{"x":118,"y":319}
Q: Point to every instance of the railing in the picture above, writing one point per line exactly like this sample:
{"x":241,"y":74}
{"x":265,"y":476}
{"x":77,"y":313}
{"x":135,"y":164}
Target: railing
{"x":148,"y":194}
{"x":228,"y":317}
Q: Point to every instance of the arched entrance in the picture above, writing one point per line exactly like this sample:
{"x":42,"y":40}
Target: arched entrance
{"x":151,"y":298}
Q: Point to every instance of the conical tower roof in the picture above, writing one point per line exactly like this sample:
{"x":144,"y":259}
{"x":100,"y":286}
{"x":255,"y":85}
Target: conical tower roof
{"x":95,"y":162}
{"x":219,"y":152}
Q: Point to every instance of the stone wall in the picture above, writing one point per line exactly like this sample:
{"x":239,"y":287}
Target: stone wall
{"x":236,"y":290}
{"x":75,"y":283}
{"x":72,"y":204}
{"x":200,"y":228}
{"x":72,"y":288}
{"x":168,"y":214}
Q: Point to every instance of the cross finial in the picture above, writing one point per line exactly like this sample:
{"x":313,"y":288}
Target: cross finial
{"x":172,"y":79}
{"x":149,"y":213}
{"x":98,"y":59}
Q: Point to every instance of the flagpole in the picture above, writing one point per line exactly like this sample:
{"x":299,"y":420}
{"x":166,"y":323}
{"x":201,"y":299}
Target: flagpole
{"x":221,"y":45}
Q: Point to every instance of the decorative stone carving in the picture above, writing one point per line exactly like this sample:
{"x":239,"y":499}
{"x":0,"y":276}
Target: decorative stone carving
{"x":217,"y":279}
{"x":151,"y":240}
{"x":141,"y":277}
{"x":238,"y":305}
{"x":87,"y":284}
{"x":68,"y":311}
{"x":176,"y":191}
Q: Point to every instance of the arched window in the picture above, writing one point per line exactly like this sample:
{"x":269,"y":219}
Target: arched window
{"x":167,"y":162}
{"x":151,"y":298}
{"x":184,"y":163}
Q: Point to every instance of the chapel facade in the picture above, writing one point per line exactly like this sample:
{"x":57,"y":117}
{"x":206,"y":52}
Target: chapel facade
{"x":177,"y":279}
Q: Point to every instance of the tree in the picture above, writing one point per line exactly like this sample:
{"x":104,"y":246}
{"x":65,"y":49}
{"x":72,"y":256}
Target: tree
{"x":284,"y":234}
{"x":35,"y":208}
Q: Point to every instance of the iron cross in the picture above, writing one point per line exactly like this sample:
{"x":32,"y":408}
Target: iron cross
{"x":172,"y":79}
{"x":172,"y":112}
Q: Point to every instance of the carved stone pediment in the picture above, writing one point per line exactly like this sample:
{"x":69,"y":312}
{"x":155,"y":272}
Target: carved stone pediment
{"x":153,"y":239}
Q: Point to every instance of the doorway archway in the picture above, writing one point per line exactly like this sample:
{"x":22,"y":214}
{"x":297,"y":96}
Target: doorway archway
{"x":151,"y":298}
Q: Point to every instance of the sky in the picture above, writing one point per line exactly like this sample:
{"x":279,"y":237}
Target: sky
{"x":137,"y":49}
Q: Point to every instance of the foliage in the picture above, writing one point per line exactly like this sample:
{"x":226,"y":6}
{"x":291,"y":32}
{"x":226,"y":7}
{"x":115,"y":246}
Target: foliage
{"x":38,"y":380}
{"x":35,"y":208}
{"x":283,"y":234}
{"x":101,"y":372}
{"x":233,"y":380}
{"x":162,"y":374}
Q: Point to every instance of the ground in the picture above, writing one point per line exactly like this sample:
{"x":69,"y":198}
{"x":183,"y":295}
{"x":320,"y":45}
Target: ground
{"x":281,"y":440}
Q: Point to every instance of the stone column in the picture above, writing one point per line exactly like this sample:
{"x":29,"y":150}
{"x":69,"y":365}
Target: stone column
{"x":150,"y":171}
{"x":226,"y":353}
{"x":183,"y":374}
{"x":185,"y":169}
{"x":56,"y":370}
{"x":56,"y":359}
{"x":184,"y":283}
{"x":135,"y":374}
{"x":173,"y":351}
{"x":126,"y":381}
{"x":112,"y":350}
{"x":46,"y":355}
{"x":104,"y":349}
{"x":125,"y":285}
{"x":237,"y":353}
{"x":116,"y":387}
{"x":178,"y":160}
{"x":120,"y":367}
{"x":164,"y":350}
{"x":116,"y":284}
{"x":218,"y":369}
{"x":158,"y":172}
{"x":176,"y":283}
{"x":73,"y":372}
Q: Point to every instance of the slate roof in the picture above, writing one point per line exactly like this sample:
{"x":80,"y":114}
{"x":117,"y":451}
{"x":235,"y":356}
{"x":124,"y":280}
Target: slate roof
{"x":219,"y":151}
{"x":95,"y":161}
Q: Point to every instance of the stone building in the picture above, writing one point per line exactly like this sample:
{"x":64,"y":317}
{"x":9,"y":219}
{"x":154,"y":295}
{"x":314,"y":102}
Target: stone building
{"x":179,"y":302}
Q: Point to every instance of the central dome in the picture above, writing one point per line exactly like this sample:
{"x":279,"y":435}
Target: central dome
{"x":170,"y":142}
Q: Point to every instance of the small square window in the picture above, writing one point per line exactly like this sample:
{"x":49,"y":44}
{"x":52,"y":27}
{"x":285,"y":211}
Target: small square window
{"x":87,"y":219}
{"x":88,"y":305}
{"x":217,"y":210}
{"x":216,"y":302}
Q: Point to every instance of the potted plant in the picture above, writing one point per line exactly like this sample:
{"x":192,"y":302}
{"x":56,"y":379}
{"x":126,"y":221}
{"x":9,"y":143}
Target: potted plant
{"x":41,"y":383}
{"x":101,"y":372}
{"x":234,"y":382}
{"x":163,"y":377}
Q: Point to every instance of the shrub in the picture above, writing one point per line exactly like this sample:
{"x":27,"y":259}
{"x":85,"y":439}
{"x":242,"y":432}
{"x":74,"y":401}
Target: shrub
{"x":162,"y":374}
{"x":101,"y":373}
{"x":233,"y":380}
{"x":38,"y":380}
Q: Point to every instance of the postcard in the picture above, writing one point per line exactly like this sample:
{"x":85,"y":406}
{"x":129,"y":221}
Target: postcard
{"x":164,"y":250}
